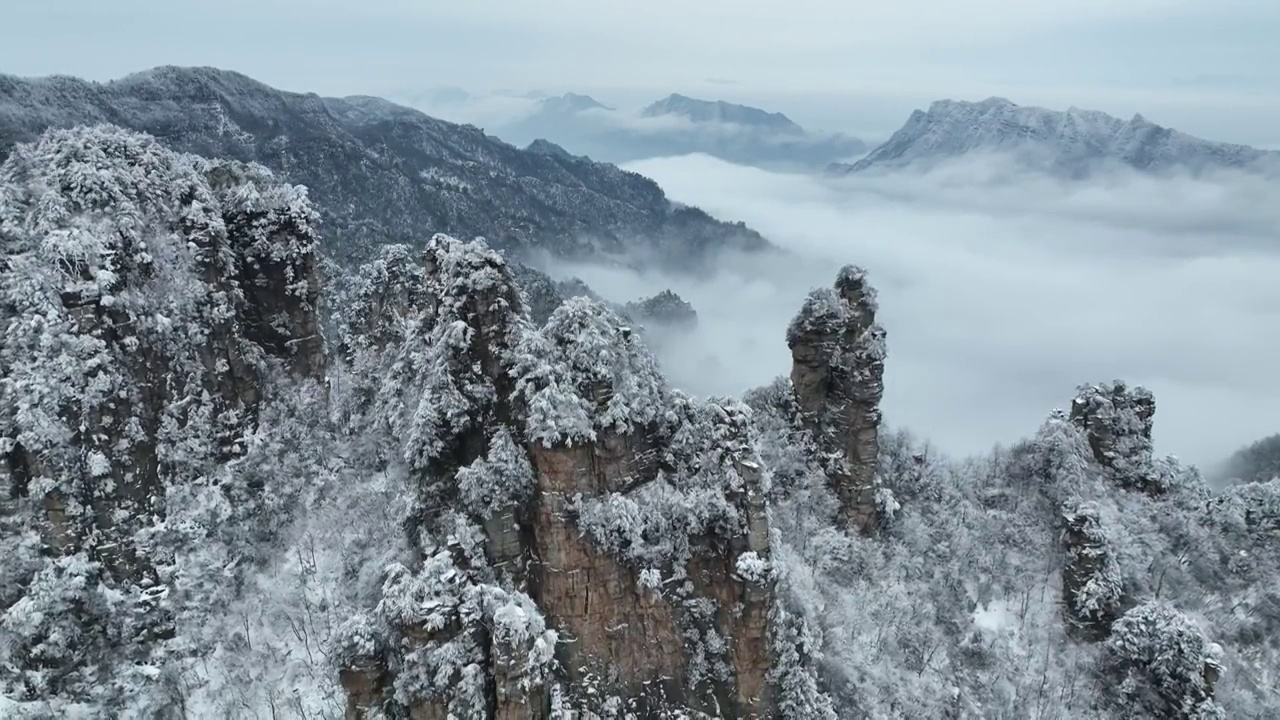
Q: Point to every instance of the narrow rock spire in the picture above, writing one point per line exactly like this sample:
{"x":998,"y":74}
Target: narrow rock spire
{"x":837,"y":375}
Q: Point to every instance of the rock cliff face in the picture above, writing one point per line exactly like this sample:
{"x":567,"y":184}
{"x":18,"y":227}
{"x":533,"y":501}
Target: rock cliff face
{"x":837,"y":377}
{"x":1117,"y":421}
{"x":1091,"y":584}
{"x":579,"y":535}
{"x":151,"y":331}
{"x":558,"y":473}
{"x":148,"y":301}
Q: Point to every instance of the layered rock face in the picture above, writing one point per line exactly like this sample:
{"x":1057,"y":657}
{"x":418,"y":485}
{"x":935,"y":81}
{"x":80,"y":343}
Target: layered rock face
{"x":144,"y":290}
{"x":837,"y":377}
{"x":146,"y":297}
{"x":1117,"y":421}
{"x":560,"y":483}
{"x":579,"y":537}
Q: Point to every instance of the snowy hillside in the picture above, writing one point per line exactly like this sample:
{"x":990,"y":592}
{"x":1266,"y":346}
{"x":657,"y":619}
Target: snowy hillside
{"x":241,"y":482}
{"x":1072,"y":142}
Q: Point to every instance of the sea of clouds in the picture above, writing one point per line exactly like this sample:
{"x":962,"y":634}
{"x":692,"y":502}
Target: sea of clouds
{"x":1001,"y":291}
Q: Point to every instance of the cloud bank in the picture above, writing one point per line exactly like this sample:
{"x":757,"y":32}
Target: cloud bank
{"x":1000,"y":293}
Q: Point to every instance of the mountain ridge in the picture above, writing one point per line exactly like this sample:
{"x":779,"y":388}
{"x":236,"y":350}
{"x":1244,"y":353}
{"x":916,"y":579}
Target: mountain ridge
{"x":385,"y":173}
{"x":571,"y":102}
{"x":1071,"y":142}
{"x":698,"y":110}
{"x":680,"y":125}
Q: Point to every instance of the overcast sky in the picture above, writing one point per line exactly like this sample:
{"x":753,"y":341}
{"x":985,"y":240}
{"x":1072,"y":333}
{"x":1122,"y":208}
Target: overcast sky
{"x":1210,"y":68}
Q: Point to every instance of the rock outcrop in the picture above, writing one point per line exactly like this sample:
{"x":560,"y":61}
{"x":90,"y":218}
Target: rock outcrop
{"x":146,"y":297}
{"x":577,"y":536}
{"x":1157,"y":661}
{"x":561,"y":482}
{"x":1092,"y":589}
{"x":157,"y":285}
{"x":837,"y":376}
{"x":1117,"y":421}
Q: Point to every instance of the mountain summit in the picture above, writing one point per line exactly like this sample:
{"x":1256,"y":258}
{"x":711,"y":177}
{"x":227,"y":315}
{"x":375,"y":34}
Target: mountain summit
{"x":570,"y":103}
{"x":702,"y":111}
{"x":1072,"y":142}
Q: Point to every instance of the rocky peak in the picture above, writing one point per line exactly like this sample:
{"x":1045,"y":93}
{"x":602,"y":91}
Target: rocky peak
{"x":1117,"y":421}
{"x":156,"y":281}
{"x":837,"y":374}
{"x":557,"y":474}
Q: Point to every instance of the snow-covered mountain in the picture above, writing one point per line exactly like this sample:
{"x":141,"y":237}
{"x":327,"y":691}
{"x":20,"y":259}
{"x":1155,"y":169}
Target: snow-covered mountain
{"x":383,"y":173}
{"x":459,"y":497}
{"x":570,"y":103}
{"x":679,"y":125}
{"x":1072,"y":142}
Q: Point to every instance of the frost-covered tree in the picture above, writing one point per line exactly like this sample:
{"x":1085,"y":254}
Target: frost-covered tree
{"x":1259,"y":461}
{"x":1165,"y":666}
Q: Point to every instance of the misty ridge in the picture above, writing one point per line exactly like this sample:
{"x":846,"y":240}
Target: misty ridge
{"x":674,"y":125}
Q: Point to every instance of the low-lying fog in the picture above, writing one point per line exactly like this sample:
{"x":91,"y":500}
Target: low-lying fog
{"x":1000,"y":293}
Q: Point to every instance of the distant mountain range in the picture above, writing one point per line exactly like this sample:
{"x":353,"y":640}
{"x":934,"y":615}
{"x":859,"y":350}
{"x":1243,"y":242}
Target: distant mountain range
{"x":383,"y":173}
{"x":703,"y":111}
{"x":679,"y":125}
{"x":1072,"y":143}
